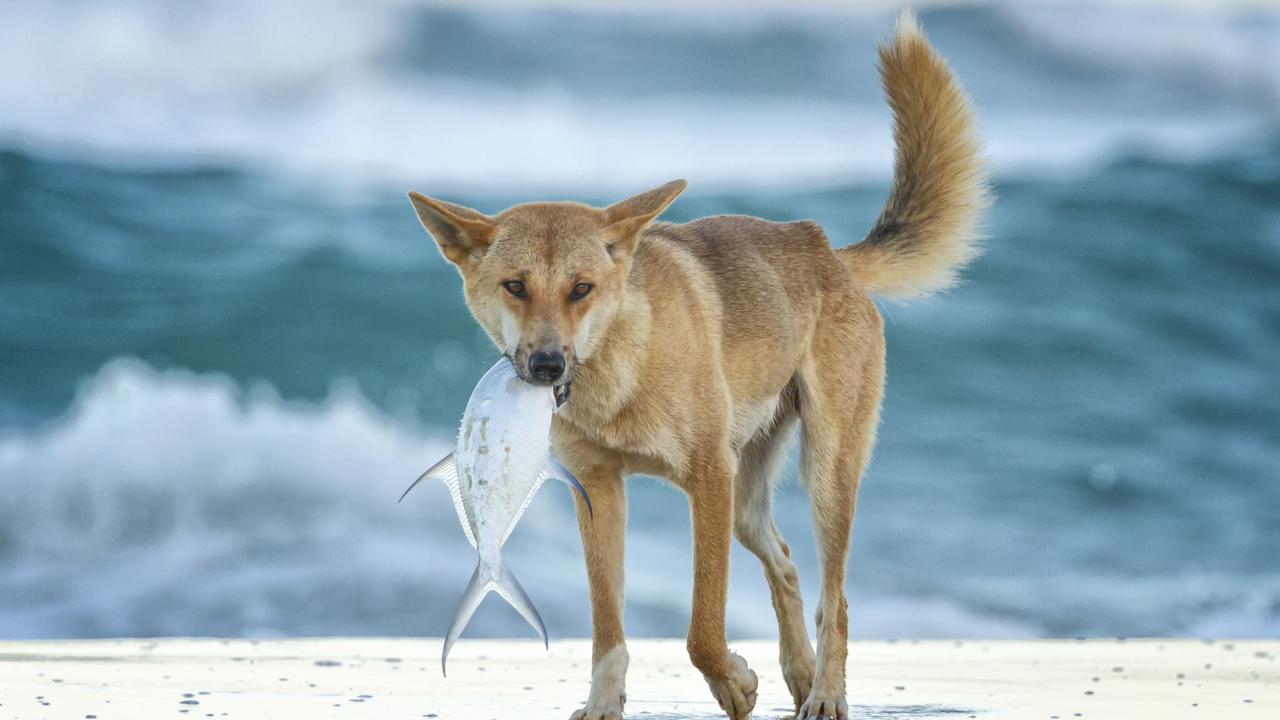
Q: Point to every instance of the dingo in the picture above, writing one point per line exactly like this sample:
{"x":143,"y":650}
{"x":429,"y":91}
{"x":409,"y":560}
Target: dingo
{"x":693,"y":350}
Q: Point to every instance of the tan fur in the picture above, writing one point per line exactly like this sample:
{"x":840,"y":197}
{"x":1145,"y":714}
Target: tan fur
{"x":700,"y":347}
{"x":928,"y":228}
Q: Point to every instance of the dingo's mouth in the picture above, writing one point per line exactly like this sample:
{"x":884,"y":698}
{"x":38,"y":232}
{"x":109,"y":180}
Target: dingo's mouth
{"x":561,"y":393}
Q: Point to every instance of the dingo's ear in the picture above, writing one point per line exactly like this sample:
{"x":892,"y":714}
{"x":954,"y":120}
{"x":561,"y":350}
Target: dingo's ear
{"x":462,"y":233}
{"x":627,"y":218}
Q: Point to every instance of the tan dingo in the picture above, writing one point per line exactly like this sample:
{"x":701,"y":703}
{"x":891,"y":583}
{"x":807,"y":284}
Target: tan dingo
{"x":693,"y":350}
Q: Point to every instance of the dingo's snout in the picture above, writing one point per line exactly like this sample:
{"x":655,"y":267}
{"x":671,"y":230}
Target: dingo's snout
{"x":546,"y":368}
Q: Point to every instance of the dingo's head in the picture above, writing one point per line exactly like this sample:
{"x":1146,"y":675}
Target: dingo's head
{"x":544,"y":279}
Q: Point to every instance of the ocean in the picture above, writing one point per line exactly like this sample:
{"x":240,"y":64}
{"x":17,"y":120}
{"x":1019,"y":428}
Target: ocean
{"x":226,"y":345}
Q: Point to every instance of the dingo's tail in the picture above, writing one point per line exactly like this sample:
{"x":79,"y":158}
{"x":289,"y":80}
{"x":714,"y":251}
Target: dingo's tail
{"x":928,"y":228}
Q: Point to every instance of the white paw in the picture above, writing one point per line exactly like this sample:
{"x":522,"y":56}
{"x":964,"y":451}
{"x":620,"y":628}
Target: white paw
{"x":608,"y":688}
{"x":600,"y":711}
{"x":820,"y":708}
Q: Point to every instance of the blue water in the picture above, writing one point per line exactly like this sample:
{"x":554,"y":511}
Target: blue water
{"x":226,"y":345}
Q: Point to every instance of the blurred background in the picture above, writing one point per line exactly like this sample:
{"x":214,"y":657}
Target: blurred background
{"x":226,"y":345}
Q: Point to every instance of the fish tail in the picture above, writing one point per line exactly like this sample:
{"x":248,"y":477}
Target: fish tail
{"x":509,"y":588}
{"x":505,"y":585}
{"x":475,"y":592}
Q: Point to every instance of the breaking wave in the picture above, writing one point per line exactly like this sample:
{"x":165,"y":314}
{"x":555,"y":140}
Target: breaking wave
{"x":397,"y":92}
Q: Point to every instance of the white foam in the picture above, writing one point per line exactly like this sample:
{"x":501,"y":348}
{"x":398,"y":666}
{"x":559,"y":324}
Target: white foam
{"x":194,"y":440}
{"x":166,"y":502}
{"x":307,"y":88}
{"x":1227,"y":55}
{"x":175,"y":503}
{"x":171,"y":502}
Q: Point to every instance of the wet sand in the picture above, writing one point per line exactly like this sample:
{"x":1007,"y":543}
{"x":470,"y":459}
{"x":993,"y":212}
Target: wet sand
{"x":400,"y":678}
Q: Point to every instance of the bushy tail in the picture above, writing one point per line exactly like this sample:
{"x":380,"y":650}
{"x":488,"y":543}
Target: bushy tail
{"x":482,"y":584}
{"x":928,"y":228}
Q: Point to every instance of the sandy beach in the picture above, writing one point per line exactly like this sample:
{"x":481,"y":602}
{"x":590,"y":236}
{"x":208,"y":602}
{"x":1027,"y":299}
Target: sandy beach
{"x":400,"y":678}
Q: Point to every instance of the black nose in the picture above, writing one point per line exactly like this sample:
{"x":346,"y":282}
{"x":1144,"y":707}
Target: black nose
{"x":546,"y":366}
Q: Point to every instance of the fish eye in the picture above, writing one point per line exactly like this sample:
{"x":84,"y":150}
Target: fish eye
{"x":516,"y":288}
{"x":580,"y":291}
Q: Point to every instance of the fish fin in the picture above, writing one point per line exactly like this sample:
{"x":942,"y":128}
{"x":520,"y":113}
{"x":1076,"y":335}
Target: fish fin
{"x":509,"y":588}
{"x":542,"y":477}
{"x":471,"y":597}
{"x":557,"y":471}
{"x":505,"y":585}
{"x":446,"y":471}
{"x":553,"y":470}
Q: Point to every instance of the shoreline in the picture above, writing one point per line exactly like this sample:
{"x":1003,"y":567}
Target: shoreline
{"x":394,"y":678}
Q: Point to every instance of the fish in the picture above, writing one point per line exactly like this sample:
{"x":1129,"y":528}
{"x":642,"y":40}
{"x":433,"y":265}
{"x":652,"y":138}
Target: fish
{"x":501,"y":457}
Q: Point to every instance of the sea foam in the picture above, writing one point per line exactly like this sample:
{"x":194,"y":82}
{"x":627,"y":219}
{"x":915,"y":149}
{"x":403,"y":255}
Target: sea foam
{"x":357,"y":93}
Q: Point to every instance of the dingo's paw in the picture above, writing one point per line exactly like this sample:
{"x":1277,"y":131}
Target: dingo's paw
{"x":596,"y":710}
{"x":736,"y":693}
{"x":820,"y":708}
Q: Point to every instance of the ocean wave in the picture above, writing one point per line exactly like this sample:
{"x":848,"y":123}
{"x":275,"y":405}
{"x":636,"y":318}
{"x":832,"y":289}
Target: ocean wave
{"x":193,"y":442}
{"x":171,"y":503}
{"x":338,"y":91}
{"x":167,"y":502}
{"x":1219,"y":58}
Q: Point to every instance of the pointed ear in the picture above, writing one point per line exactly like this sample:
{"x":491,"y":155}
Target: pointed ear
{"x":627,"y":218}
{"x":462,"y":233}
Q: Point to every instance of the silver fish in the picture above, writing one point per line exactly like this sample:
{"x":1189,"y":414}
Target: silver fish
{"x":501,"y":458}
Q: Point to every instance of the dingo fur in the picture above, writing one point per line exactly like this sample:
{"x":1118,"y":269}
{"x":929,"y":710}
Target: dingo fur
{"x":692,"y":351}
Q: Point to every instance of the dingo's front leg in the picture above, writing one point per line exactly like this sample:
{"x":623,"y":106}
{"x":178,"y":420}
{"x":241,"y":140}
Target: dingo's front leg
{"x":603,"y":540}
{"x":710,"y":489}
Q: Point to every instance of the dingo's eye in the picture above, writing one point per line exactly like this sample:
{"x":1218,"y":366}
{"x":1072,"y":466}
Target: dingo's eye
{"x":515,"y":287}
{"x":580,"y":291}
